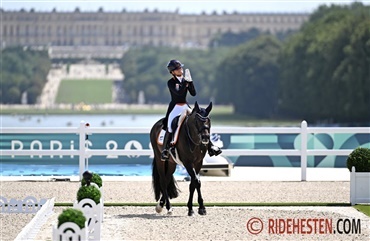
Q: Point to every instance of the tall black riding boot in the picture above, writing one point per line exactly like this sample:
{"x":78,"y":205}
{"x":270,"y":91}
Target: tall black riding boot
{"x":213,"y":150}
{"x":166,"y":145}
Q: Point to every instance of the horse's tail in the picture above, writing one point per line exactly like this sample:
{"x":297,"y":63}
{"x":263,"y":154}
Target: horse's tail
{"x":155,"y":181}
{"x":172,"y":188}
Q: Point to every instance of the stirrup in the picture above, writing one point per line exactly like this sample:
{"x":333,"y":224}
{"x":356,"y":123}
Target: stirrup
{"x":164,"y":155}
{"x":214,"y":151}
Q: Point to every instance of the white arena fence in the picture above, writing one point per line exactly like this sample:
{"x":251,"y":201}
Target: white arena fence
{"x":84,"y":130}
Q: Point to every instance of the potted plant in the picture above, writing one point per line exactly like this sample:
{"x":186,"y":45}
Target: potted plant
{"x":360,"y":159}
{"x":91,"y":178}
{"x":72,"y":215}
{"x":358,"y":163}
{"x":71,"y":225}
{"x":89,"y":192}
{"x":89,"y":201}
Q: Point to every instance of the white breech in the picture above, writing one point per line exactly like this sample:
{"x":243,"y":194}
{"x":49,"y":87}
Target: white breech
{"x":177,"y":110}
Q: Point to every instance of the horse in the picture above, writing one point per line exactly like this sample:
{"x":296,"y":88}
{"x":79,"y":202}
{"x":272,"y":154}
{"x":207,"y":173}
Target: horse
{"x":191,"y":147}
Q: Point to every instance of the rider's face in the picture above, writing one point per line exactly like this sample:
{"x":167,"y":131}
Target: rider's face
{"x":178,"y":72}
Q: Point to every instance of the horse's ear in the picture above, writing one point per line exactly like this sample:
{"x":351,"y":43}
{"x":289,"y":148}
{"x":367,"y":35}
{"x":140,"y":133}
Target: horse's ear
{"x":196,"y":107}
{"x":209,"y":108}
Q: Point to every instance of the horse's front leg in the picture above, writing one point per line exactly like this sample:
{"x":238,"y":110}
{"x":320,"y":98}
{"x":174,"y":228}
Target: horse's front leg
{"x":202,"y":208}
{"x":194,"y":184}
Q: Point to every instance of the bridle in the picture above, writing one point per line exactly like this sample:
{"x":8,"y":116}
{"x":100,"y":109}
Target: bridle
{"x":202,"y":119}
{"x":205,"y":120}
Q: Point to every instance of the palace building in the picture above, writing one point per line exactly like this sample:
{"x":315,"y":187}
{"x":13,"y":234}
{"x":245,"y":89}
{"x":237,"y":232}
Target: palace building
{"x":126,"y":29}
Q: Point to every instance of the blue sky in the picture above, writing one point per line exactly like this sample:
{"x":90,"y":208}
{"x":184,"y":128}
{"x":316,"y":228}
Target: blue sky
{"x":189,"y":6}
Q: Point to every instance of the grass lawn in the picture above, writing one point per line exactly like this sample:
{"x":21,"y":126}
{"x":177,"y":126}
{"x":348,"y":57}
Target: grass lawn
{"x":363,"y":208}
{"x":86,"y":91}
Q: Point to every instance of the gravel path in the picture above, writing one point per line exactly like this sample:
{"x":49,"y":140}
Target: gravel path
{"x":12,"y":223}
{"x":138,"y":223}
{"x":213,"y":191}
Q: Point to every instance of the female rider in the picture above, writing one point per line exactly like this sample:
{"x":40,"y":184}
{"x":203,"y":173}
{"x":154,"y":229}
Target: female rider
{"x":179,"y":87}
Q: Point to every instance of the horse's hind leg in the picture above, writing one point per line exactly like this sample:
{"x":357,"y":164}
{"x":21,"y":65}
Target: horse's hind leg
{"x":165,"y":198}
{"x":160,"y":205}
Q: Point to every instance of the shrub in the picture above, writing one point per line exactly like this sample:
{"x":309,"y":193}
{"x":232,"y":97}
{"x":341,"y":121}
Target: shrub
{"x":91,"y":192}
{"x":72,"y":215}
{"x":95,"y":179}
{"x":360,"y":159}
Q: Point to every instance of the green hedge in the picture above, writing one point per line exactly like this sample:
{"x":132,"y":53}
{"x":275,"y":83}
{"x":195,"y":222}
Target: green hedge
{"x":90,"y":192}
{"x":72,"y":215}
{"x":360,"y":159}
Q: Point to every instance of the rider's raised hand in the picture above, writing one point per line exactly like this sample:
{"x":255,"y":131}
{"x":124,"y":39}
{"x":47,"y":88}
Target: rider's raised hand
{"x":187,"y":76}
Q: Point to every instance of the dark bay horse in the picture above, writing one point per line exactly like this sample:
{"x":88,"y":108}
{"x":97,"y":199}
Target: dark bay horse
{"x":191,"y":147}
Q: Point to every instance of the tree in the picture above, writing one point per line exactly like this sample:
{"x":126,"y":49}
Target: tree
{"x":23,"y":71}
{"x":231,"y":39}
{"x":145,"y":70}
{"x":326,"y":65}
{"x":248,"y":77}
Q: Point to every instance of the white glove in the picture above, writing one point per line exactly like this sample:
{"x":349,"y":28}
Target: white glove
{"x":187,"y":76}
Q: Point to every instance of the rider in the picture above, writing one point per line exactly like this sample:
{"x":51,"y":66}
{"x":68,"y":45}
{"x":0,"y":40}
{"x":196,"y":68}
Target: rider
{"x":178,"y":87}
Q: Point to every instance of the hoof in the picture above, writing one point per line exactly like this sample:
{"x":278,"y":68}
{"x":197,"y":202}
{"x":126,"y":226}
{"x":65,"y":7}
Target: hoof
{"x":202,"y":211}
{"x":158,"y":208}
{"x":191,"y":213}
{"x":170,"y":212}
